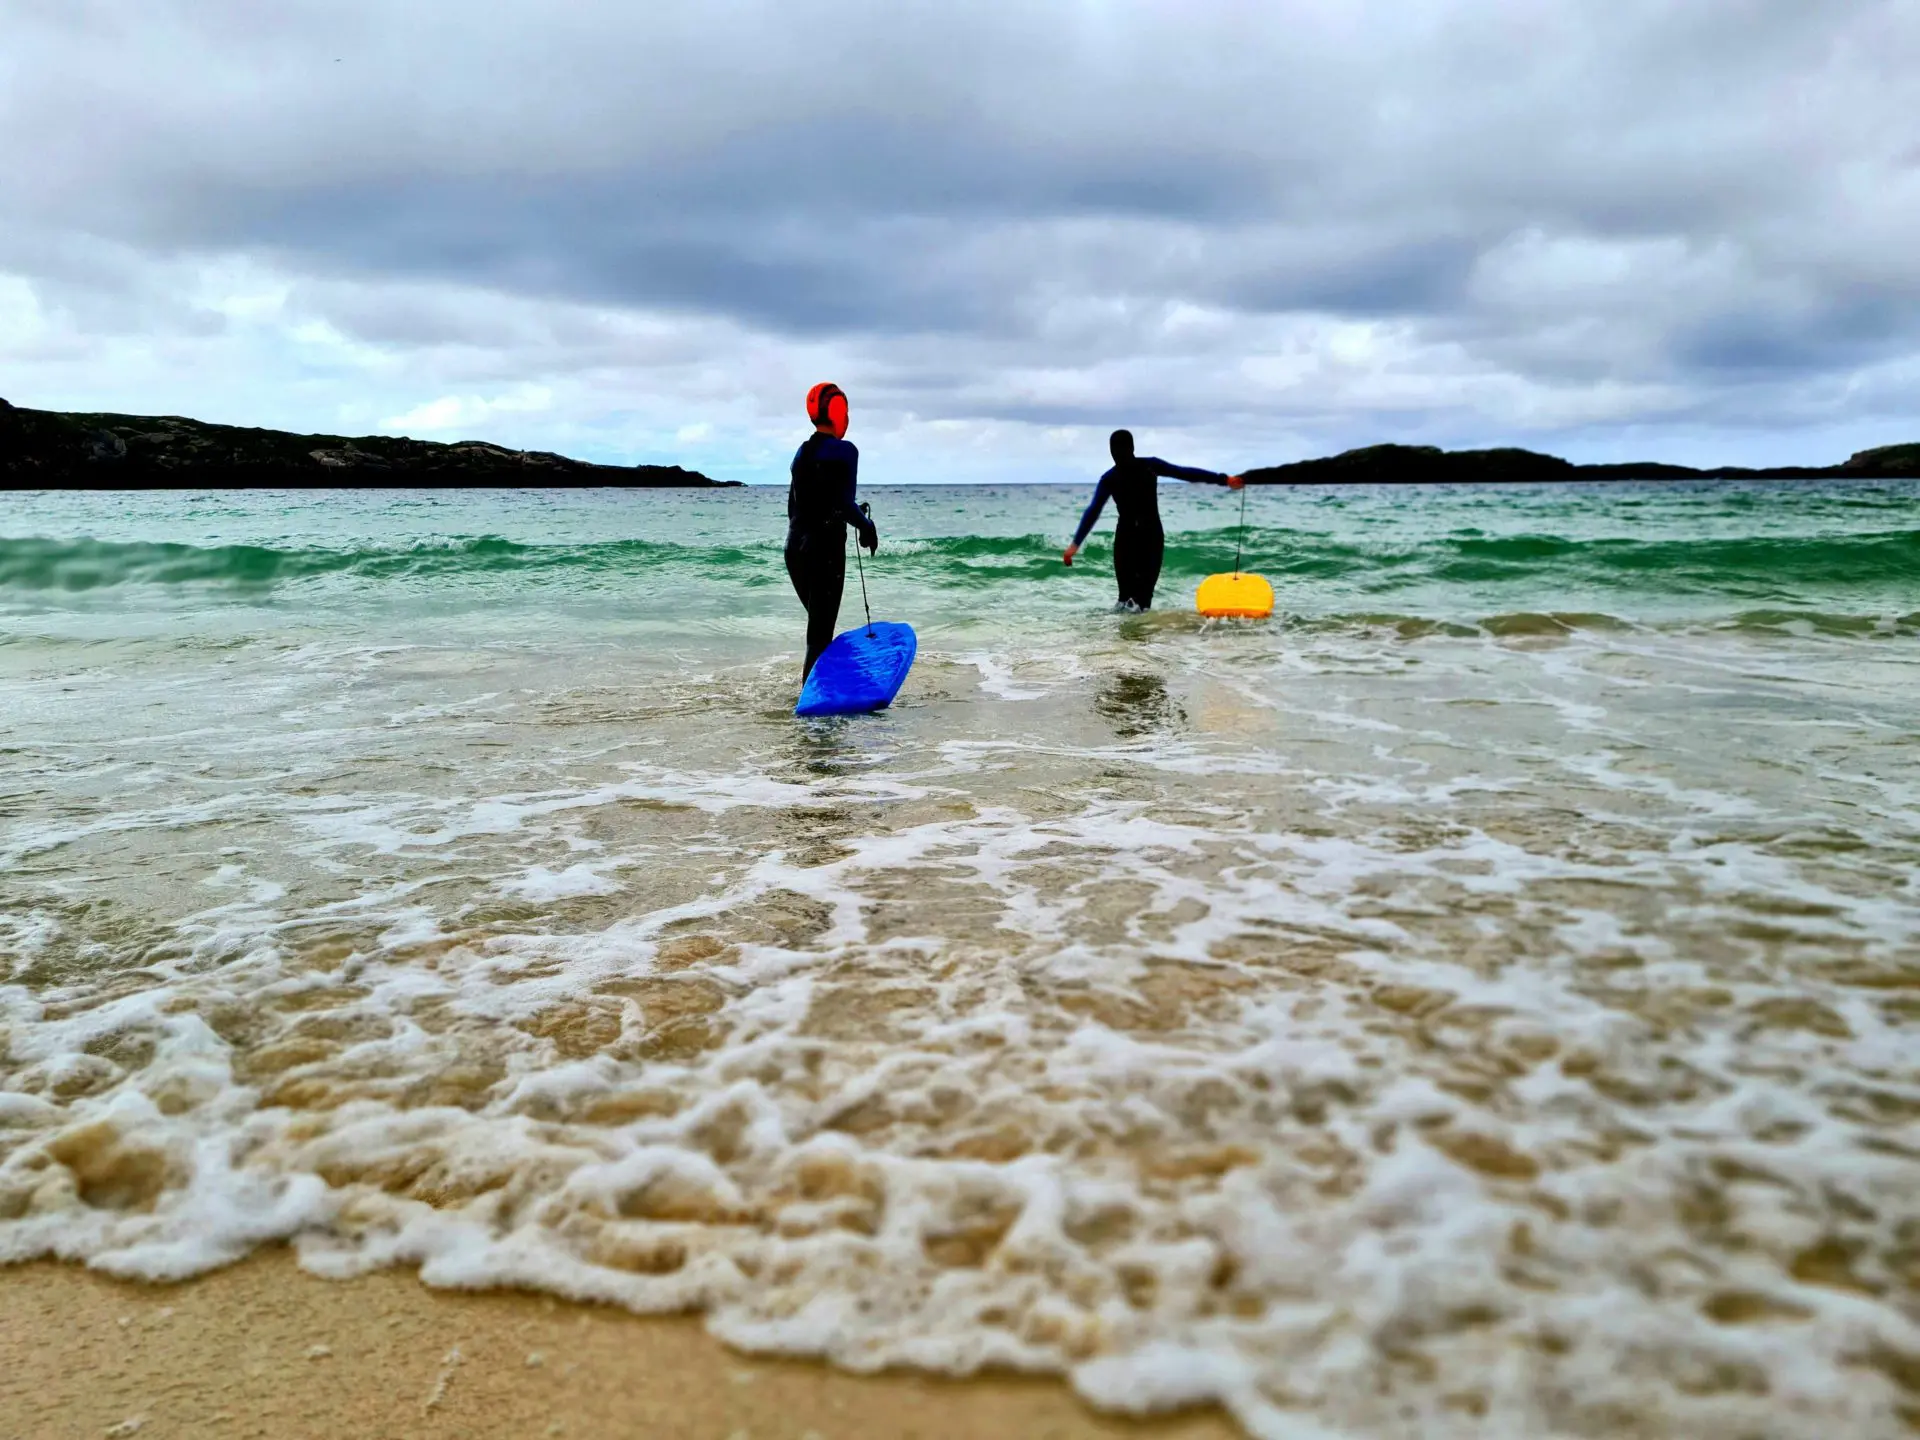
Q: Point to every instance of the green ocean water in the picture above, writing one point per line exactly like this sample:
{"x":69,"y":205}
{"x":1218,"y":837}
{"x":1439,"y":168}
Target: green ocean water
{"x":1654,"y":553}
{"x":1478,"y":1001}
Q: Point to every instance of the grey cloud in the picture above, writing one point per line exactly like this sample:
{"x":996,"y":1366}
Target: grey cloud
{"x":1839,"y":332}
{"x":1692,"y":204}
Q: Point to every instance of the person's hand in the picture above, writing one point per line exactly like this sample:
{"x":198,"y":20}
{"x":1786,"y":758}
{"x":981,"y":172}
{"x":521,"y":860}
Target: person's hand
{"x":1234,"y":482}
{"x":1067,"y":555}
{"x":870,"y":537}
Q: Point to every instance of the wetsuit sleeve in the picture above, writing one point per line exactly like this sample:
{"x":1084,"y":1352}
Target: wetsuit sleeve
{"x":1185,"y":472}
{"x":848,"y":498}
{"x":845,"y":501}
{"x":1094,"y":507}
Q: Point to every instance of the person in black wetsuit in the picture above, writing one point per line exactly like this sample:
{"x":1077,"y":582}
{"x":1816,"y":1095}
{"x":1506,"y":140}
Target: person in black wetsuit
{"x":1138,"y":540}
{"x":820,"y":505}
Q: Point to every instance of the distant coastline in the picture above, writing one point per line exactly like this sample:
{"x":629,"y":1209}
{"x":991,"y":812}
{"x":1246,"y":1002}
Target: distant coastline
{"x":55,"y":448}
{"x":1429,"y":465}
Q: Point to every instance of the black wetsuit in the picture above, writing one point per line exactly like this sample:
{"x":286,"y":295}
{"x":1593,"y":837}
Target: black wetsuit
{"x":1138,"y":540}
{"x":820,"y":505}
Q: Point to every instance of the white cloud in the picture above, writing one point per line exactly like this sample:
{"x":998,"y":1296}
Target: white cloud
{"x":467,"y":412}
{"x":1252,"y":232}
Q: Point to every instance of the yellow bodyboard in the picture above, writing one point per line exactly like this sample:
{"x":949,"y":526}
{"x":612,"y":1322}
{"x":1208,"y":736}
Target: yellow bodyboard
{"x":1247,"y":596}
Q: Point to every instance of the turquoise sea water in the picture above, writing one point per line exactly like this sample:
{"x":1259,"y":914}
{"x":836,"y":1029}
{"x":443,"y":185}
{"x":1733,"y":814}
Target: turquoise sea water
{"x":1480,"y":1000}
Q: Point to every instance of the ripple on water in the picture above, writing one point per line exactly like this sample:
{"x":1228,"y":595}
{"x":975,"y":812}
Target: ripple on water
{"x":1497,"y":1025}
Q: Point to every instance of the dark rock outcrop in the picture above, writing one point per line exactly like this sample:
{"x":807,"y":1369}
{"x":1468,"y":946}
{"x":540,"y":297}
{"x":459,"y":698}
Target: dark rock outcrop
{"x":1895,"y":460}
{"x":45,"y":447}
{"x":1429,"y":465}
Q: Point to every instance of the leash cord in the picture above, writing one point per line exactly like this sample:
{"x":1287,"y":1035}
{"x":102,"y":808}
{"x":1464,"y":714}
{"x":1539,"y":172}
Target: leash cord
{"x":863,"y":569}
{"x":1240,"y":540}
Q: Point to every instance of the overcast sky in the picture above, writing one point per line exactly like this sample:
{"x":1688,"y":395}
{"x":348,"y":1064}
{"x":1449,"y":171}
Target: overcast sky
{"x":1254,"y":231}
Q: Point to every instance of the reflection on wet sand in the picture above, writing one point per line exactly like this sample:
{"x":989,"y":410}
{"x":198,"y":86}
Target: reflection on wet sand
{"x":1136,"y":704}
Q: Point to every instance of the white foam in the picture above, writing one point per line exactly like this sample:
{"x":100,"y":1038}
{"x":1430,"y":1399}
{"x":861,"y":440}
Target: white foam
{"x":540,"y":883}
{"x":1325,"y":1049}
{"x":19,"y":1112}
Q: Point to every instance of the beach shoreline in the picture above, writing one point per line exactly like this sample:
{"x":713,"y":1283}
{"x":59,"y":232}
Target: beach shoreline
{"x":264,"y":1349}
{"x":1476,"y":1002}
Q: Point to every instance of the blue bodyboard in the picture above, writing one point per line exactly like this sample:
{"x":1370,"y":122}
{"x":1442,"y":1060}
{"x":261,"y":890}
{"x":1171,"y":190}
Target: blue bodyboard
{"x":861,"y":670}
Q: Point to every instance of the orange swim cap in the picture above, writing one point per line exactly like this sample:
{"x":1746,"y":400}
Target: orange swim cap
{"x":827,"y":408}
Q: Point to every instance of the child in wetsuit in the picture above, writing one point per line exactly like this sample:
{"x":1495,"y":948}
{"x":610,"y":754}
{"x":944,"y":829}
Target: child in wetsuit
{"x":820,"y":505}
{"x":1138,"y":540}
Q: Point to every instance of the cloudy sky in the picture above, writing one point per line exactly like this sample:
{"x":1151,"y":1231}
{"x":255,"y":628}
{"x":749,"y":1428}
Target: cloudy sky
{"x":1255,"y":230}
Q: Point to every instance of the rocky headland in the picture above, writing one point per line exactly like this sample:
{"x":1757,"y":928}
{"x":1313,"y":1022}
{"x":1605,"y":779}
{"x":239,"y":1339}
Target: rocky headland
{"x":52,"y":448}
{"x":1427,"y":464}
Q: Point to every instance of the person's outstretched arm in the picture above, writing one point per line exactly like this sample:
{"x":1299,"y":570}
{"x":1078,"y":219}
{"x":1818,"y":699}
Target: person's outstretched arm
{"x":1169,"y":471}
{"x":1091,"y":516}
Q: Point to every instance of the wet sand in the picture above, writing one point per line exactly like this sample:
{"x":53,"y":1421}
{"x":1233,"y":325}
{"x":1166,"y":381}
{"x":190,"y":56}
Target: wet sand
{"x":264,"y":1350}
{"x":1480,"y":1004}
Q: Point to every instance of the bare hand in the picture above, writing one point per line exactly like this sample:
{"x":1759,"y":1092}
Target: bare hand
{"x":1067,"y":556}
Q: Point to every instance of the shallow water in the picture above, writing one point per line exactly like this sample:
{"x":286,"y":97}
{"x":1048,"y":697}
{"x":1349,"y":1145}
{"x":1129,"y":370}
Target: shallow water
{"x":1480,"y":1001}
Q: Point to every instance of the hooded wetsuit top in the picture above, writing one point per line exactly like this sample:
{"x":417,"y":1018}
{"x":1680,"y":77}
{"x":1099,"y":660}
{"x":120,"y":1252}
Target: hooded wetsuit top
{"x":820,"y":503}
{"x":1133,"y":486}
{"x":825,"y":472}
{"x":1138,"y":540}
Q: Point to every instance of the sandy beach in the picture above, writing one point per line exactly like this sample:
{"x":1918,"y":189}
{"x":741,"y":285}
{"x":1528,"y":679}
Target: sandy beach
{"x":263,"y":1349}
{"x":1476,"y":1005}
